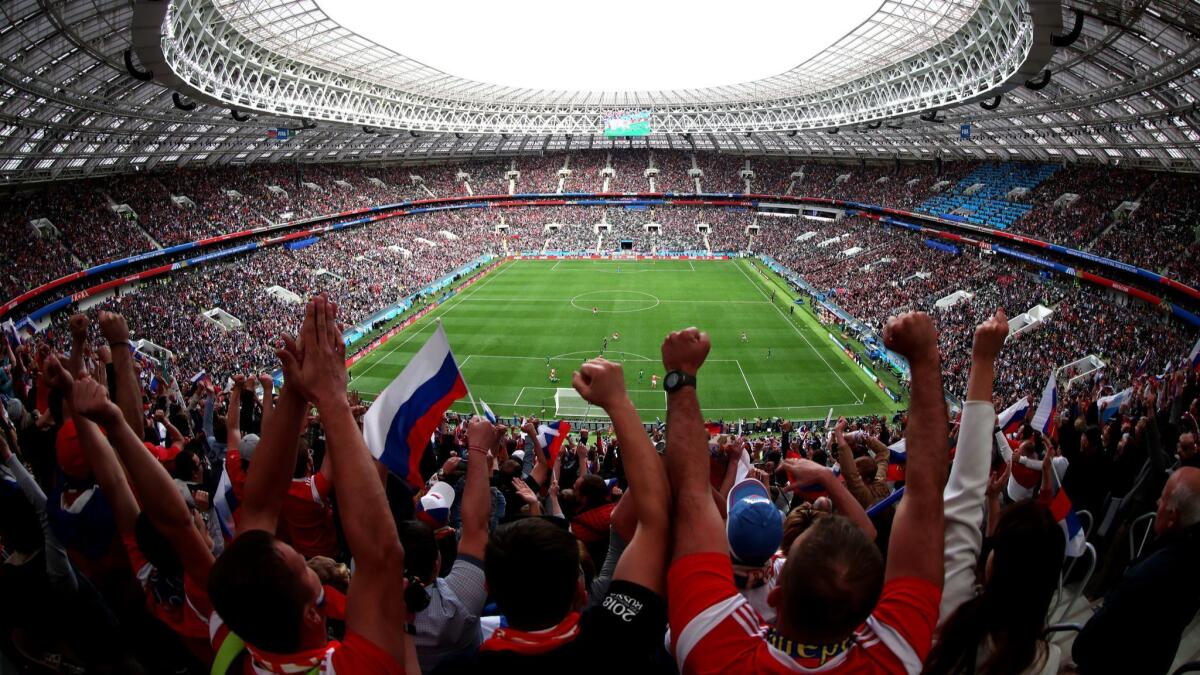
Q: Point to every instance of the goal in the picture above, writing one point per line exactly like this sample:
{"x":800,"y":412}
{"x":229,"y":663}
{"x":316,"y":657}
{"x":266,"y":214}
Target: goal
{"x":568,"y":403}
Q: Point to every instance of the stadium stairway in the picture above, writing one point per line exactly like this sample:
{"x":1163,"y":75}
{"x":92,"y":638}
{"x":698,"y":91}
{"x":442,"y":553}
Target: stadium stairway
{"x":989,"y":205}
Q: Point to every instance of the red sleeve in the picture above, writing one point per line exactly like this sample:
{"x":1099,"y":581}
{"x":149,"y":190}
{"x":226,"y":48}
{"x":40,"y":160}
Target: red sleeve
{"x":233,"y":466}
{"x":359,"y":655}
{"x":908,"y":610}
{"x":322,"y":485}
{"x":137,"y":561}
{"x":713,"y":628}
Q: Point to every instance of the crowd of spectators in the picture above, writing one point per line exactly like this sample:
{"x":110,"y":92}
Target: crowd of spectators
{"x":150,"y":524}
{"x":218,"y":201}
{"x":629,"y":171}
{"x":722,"y":173}
{"x":673,"y":172}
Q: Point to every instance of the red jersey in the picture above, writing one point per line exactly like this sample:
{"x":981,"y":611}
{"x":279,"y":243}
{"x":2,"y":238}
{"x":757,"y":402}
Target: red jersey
{"x":183,"y":607}
{"x":715,"y":630}
{"x":306,"y":517}
{"x":352,"y":656}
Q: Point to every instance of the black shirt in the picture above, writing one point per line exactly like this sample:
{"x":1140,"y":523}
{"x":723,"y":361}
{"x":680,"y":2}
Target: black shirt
{"x":622,"y":633}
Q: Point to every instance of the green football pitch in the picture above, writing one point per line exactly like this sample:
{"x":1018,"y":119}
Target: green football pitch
{"x":525,"y":314}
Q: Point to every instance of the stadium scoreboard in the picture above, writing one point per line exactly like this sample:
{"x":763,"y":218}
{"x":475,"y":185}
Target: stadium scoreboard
{"x":627,"y":124}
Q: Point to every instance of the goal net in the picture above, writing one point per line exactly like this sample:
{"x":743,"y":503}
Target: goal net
{"x":568,"y":403}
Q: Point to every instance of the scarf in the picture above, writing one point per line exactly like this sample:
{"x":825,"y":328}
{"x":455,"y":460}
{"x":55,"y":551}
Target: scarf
{"x":533,"y":642}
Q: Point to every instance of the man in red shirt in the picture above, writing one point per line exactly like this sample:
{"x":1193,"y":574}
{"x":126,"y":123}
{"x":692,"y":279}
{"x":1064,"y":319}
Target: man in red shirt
{"x":261,"y":588}
{"x":307,"y":513}
{"x":838,"y":608}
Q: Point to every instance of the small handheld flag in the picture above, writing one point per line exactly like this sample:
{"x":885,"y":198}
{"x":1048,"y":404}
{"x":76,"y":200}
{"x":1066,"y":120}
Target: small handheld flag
{"x":551,"y":436}
{"x":487,"y":412}
{"x":1014,"y":416}
{"x":1064,"y":513}
{"x":1043,"y":419}
{"x":398,"y":427}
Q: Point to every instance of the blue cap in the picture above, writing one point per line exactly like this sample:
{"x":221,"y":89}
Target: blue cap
{"x":755,"y":526}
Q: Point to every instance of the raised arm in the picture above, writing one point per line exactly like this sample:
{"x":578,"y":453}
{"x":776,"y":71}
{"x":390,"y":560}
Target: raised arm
{"x":602,"y":383}
{"x":477,"y":497}
{"x":964,"y":494}
{"x":233,"y":413}
{"x":917,"y":531}
{"x":697,"y":522}
{"x":805,"y":472}
{"x":163,"y":504}
{"x":78,"y":326}
{"x":375,"y":606}
{"x":129,"y":392}
{"x":100,"y":456}
{"x":275,"y":457}
{"x":268,"y":402}
{"x":845,"y":459}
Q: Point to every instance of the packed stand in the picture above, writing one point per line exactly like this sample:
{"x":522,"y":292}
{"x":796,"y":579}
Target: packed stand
{"x":721,"y":173}
{"x":224,"y":526}
{"x":673,"y":169}
{"x":630,"y":167}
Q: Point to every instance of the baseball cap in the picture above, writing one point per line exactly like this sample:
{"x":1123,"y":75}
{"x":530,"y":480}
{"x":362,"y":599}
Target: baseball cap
{"x":755,"y":526}
{"x":247,"y":446}
{"x":518,"y":454}
{"x":434,"y":506}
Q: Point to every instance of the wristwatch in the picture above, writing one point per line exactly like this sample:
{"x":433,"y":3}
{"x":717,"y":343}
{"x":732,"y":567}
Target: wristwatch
{"x":677,"y":379}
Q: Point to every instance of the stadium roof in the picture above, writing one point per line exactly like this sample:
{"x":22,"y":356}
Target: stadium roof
{"x":693,"y":51}
{"x":94,"y":86}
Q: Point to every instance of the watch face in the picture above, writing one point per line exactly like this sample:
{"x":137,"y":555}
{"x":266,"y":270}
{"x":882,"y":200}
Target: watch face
{"x":672,"y":380}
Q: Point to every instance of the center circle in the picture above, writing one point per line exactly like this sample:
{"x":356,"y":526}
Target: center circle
{"x":615,"y":302}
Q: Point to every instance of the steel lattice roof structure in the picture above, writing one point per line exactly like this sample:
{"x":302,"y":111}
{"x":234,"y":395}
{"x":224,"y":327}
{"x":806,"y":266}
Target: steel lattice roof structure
{"x":102,"y":86}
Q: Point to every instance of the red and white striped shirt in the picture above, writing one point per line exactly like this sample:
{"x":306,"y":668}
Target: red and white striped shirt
{"x":715,"y":630}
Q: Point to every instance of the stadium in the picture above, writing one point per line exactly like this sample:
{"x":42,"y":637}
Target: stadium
{"x":942,"y":256}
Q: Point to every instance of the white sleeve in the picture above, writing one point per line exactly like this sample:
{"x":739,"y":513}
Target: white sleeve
{"x":964,"y":498}
{"x":1003,"y":446}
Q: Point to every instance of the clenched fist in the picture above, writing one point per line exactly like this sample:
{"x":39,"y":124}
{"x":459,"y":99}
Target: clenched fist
{"x":989,"y":336}
{"x":78,"y":325}
{"x":685,"y":350}
{"x":113,"y":327}
{"x":600,"y":382}
{"x":912,"y":335}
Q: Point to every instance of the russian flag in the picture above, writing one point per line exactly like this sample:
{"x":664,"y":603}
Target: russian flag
{"x":1064,"y":513}
{"x":199,"y":377}
{"x":1194,"y":356}
{"x":11,"y":334}
{"x":225,"y":503}
{"x":487,"y":412}
{"x":1043,"y":418}
{"x":551,"y":436}
{"x":1014,"y":416}
{"x":398,"y":426}
{"x":1109,"y":405}
{"x":897,"y":460}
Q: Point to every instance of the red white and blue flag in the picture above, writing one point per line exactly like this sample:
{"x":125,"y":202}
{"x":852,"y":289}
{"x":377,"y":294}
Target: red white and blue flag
{"x":1064,"y":513}
{"x":399,"y":425}
{"x":1014,"y":416}
{"x":201,"y":377}
{"x":1194,"y":357}
{"x":550,"y":437}
{"x":1043,"y":419}
{"x":11,"y":333}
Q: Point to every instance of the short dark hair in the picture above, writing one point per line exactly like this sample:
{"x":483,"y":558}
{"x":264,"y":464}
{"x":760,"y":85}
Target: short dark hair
{"x":420,"y":548}
{"x":593,"y":490}
{"x":256,"y":594}
{"x":529,"y":544}
{"x":831,"y":581}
